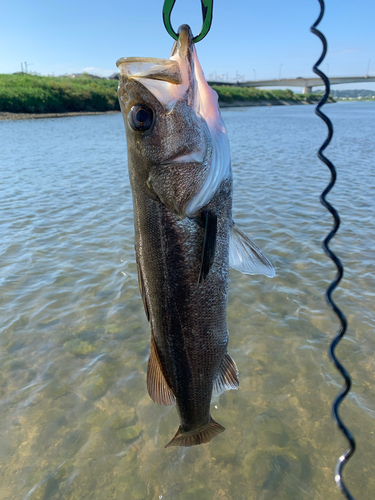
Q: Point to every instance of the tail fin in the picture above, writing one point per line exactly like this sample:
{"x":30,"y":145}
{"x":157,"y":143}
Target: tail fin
{"x":200,"y":436}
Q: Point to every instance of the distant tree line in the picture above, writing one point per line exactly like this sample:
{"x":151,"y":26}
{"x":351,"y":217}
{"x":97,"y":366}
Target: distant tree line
{"x":354,"y":94}
{"x":230,"y":94}
{"x":29,"y":93}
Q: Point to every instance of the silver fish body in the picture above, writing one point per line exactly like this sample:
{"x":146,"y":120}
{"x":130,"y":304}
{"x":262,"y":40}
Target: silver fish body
{"x":179,"y":168}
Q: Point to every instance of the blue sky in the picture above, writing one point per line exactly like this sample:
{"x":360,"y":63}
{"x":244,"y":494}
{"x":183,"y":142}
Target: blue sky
{"x":248,"y":37}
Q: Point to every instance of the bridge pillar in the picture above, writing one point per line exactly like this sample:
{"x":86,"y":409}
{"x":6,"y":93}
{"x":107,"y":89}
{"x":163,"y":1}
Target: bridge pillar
{"x":307,"y":90}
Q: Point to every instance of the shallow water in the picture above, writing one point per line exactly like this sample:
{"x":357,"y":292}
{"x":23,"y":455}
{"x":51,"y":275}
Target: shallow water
{"x":76,"y":421}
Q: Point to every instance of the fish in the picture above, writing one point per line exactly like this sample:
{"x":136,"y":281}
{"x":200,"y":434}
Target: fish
{"x":185,"y":239}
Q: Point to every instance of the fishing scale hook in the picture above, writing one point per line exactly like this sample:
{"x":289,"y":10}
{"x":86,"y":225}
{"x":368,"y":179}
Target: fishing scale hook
{"x":207,"y":8}
{"x":340,"y":269}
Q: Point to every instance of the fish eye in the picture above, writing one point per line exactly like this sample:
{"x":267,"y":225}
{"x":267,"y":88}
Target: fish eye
{"x":140,"y":117}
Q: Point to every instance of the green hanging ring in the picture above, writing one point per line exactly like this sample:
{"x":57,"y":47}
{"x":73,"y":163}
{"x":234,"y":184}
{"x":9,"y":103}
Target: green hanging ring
{"x":207,"y":7}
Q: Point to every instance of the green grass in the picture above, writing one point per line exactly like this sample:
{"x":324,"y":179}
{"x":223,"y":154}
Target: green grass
{"x":27,"y":93}
{"x":231,"y":94}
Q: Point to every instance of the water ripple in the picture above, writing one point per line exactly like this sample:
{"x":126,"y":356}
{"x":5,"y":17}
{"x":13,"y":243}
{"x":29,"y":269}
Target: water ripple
{"x":75,"y":418}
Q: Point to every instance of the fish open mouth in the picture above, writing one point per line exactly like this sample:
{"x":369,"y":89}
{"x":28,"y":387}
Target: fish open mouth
{"x":167,"y":70}
{"x":162,"y":77}
{"x":151,"y":68}
{"x":167,"y":79}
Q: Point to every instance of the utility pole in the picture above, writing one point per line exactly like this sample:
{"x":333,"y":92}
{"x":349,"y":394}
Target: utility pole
{"x":22,"y":67}
{"x":26,"y":65}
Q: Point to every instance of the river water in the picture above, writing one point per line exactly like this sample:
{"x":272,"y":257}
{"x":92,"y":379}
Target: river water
{"x":76,"y":421}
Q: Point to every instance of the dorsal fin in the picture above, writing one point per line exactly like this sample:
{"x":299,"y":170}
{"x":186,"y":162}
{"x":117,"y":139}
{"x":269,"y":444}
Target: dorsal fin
{"x":142,"y":289}
{"x":157,"y":386}
{"x":228,"y":376}
{"x":209,"y":244}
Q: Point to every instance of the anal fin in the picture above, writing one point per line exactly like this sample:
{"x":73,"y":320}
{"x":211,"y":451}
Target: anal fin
{"x":198,"y":436}
{"x":158,"y":389}
{"x":228,"y":376}
{"x":209,"y":244}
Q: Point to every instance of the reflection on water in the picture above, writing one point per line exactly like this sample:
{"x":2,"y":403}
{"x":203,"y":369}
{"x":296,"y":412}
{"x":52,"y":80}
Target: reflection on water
{"x":75,"y":418}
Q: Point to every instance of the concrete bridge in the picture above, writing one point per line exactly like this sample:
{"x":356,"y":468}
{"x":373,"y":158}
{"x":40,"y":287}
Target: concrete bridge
{"x":306,"y":83}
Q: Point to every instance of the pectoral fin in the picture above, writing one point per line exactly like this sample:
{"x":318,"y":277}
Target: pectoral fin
{"x":142,"y":290}
{"x":246,"y":256}
{"x":209,"y":244}
{"x":157,"y":386}
{"x":228,"y":376}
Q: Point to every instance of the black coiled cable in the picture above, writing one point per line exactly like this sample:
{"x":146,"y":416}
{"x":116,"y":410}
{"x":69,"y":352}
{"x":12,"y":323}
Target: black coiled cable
{"x":340,"y":270}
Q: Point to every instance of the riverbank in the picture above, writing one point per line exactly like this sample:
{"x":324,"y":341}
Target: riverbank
{"x":35,"y":116}
{"x":236,"y":104}
{"x":253,"y":96}
{"x":246,"y":104}
{"x":26,"y":93}
{"x":26,"y":96}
